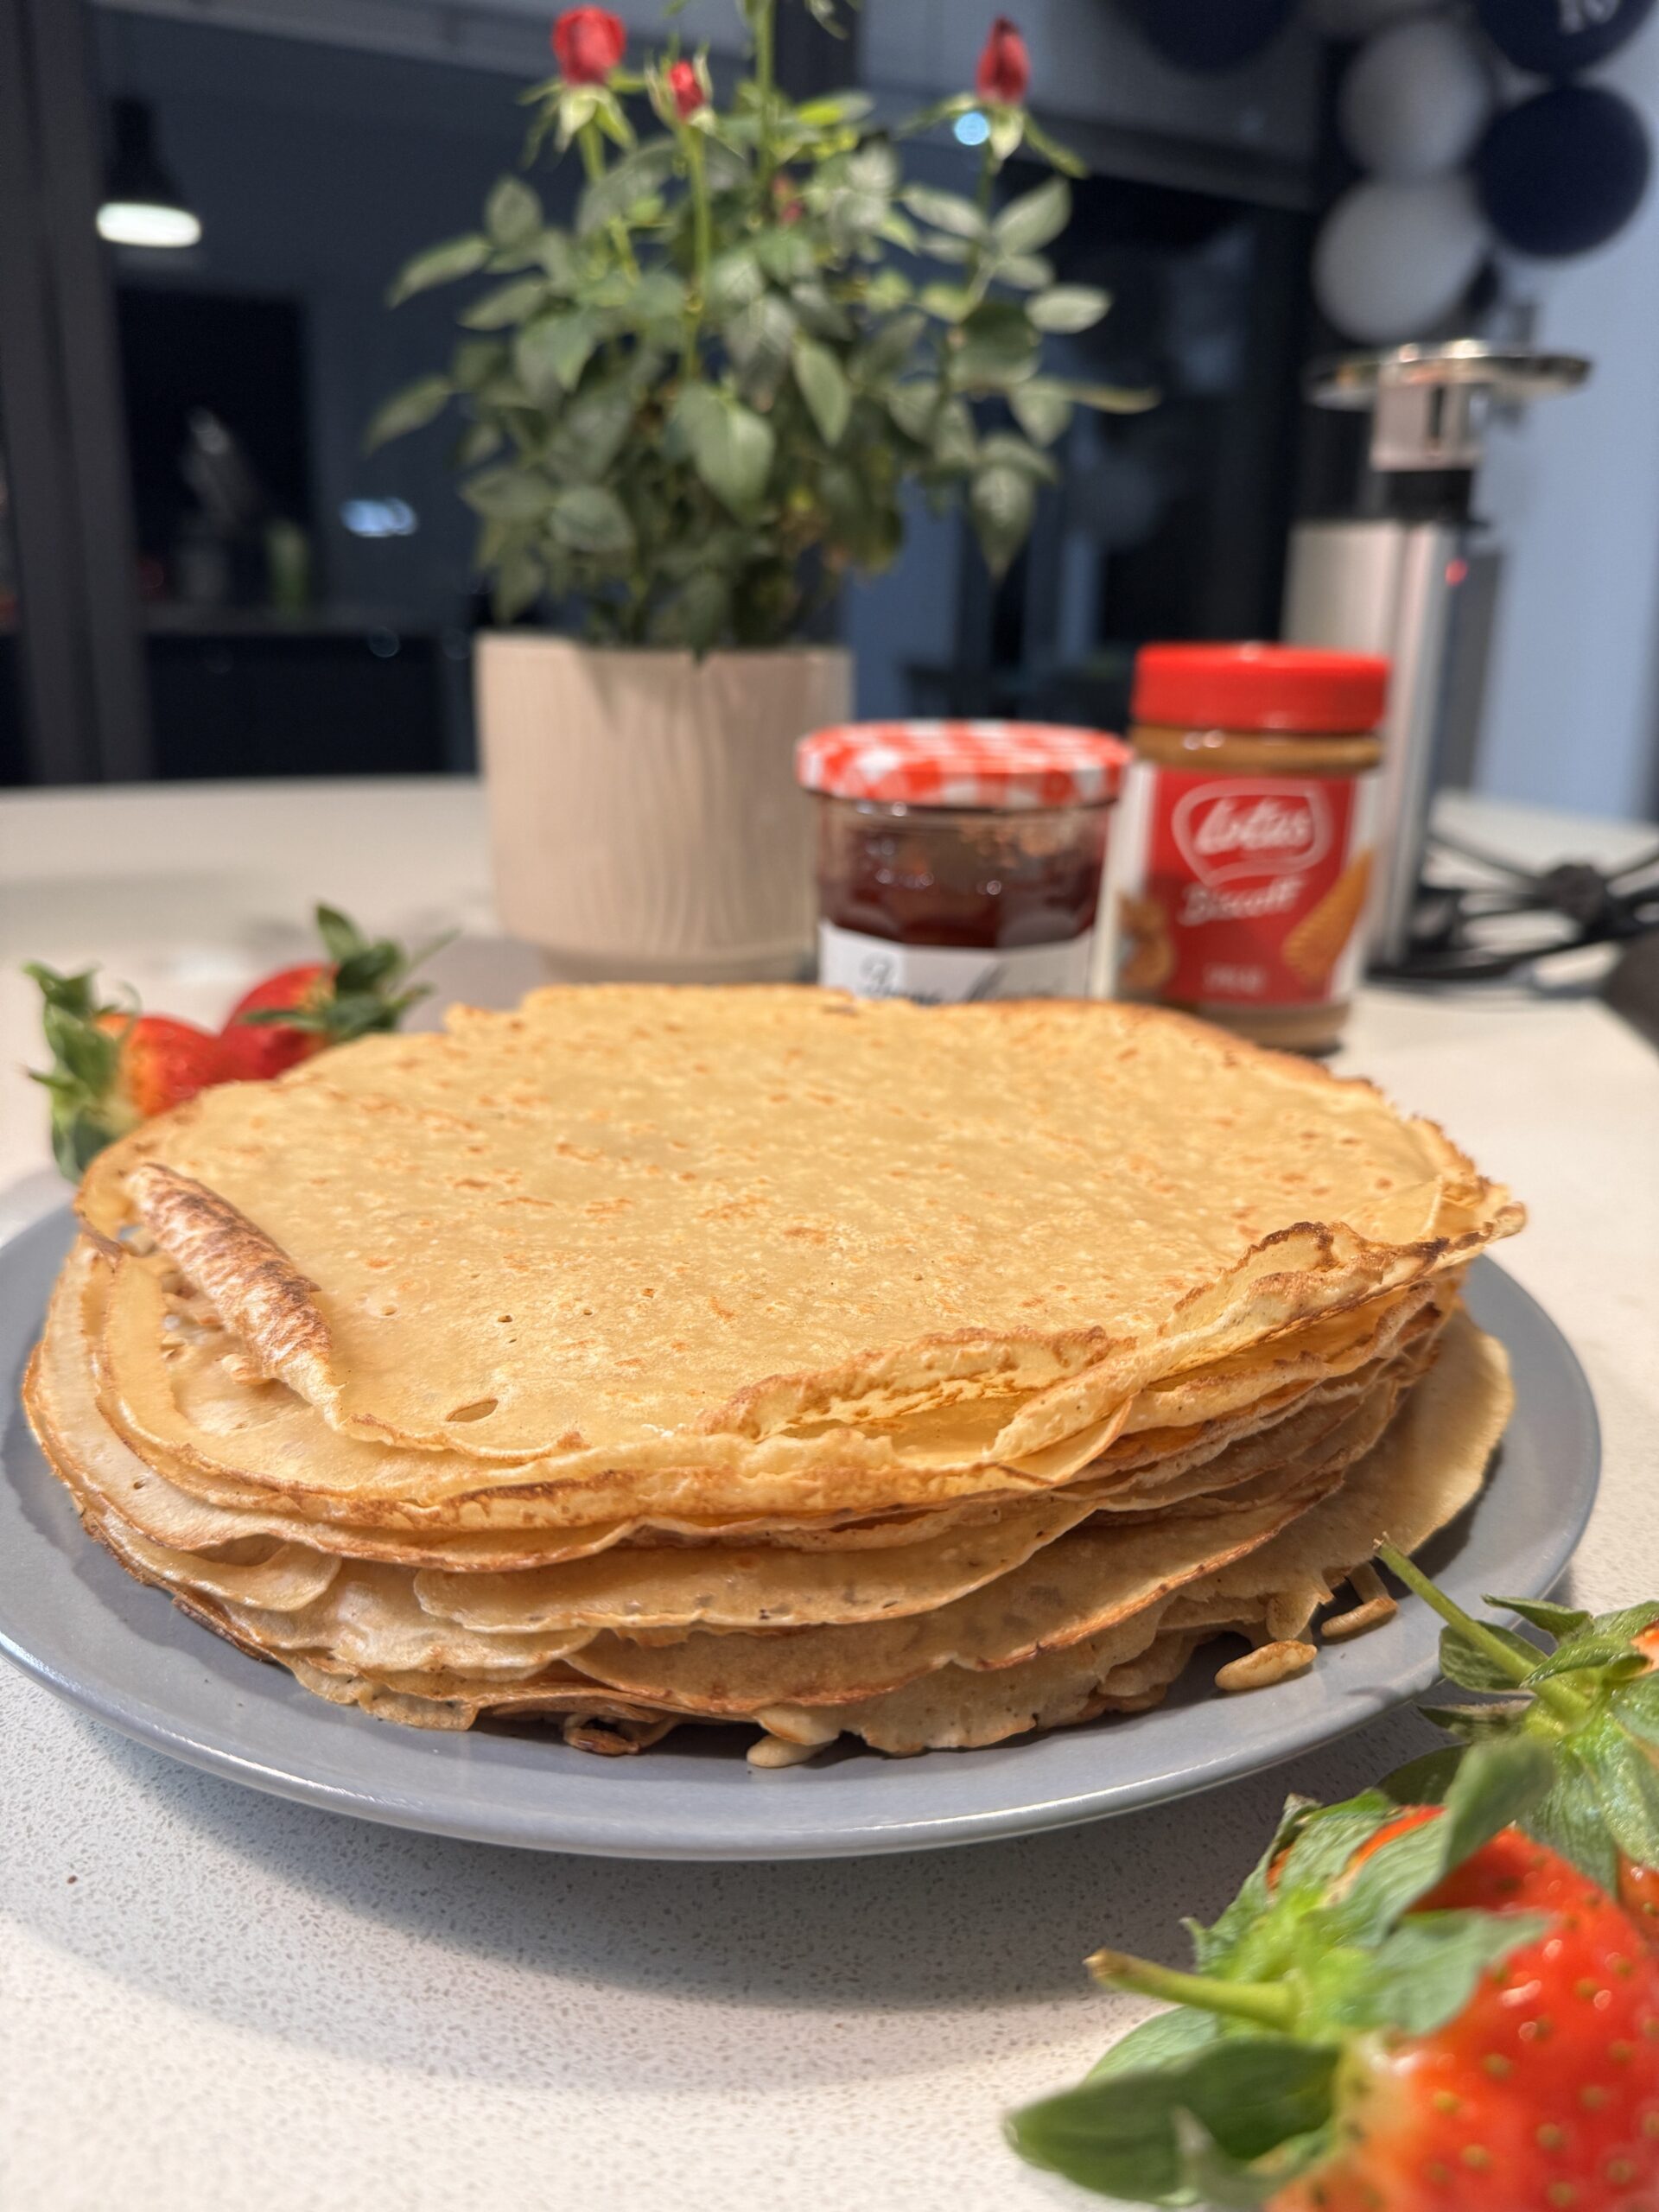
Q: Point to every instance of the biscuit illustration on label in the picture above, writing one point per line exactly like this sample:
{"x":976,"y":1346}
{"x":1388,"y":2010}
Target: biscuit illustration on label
{"x":1313,"y":948}
{"x":1147,"y":959}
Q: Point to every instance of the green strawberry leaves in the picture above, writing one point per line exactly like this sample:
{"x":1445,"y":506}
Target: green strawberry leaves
{"x":1225,"y":2098}
{"x":1122,"y":2135}
{"x":370,"y":991}
{"x":1590,"y":1700}
{"x":83,"y":1080}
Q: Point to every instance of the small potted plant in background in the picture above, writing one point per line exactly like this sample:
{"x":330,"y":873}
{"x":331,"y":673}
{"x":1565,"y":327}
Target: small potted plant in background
{"x":687,"y":416}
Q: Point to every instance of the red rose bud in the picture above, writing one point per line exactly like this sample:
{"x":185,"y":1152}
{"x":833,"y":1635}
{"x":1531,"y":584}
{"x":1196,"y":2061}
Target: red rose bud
{"x":687,"y":91}
{"x":1004,"y":70}
{"x":589,"y":42}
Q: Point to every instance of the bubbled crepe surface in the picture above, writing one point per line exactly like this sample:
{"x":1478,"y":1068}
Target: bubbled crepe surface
{"x":762,"y":1229}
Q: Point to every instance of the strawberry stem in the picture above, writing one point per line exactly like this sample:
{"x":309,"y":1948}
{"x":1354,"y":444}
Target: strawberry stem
{"x":1265,"y":2004}
{"x":1564,"y":1702}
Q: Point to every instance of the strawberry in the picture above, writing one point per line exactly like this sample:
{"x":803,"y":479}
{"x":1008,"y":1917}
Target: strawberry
{"x":112,"y":1066}
{"x":1400,"y":2010}
{"x":1591,"y":1696}
{"x":299,"y":1011}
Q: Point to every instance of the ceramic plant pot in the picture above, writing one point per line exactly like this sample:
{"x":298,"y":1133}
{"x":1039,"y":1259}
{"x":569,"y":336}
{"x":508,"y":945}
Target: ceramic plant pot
{"x":643,"y":813}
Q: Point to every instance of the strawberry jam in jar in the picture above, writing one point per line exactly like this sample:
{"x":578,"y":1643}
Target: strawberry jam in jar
{"x":1242,"y":863}
{"x":960,"y":860}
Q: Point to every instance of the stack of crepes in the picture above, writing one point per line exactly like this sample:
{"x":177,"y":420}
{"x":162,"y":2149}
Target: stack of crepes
{"x":649,"y":1356}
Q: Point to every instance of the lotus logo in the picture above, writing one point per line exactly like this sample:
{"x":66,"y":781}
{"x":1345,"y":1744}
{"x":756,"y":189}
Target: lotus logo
{"x":1242,"y":828}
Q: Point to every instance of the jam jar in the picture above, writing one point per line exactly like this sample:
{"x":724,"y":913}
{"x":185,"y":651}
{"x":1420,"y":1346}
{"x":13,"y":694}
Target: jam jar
{"x":1243,"y":861}
{"x":960,"y":860}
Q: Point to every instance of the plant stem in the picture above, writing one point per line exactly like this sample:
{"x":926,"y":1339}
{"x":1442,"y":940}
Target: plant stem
{"x":1564,"y":1702}
{"x":1266,"y":2004}
{"x":593,"y":161}
{"x":765,"y":160}
{"x":702,"y":242}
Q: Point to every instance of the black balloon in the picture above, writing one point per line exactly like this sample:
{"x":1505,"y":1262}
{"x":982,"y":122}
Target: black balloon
{"x":1553,"y":38}
{"x":1206,"y":35}
{"x":1564,"y":171}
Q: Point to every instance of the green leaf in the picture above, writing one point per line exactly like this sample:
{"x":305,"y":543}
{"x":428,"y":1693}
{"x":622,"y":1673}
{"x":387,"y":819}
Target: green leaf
{"x":591,"y":432}
{"x":1042,"y":409}
{"x":1589,"y":1650}
{"x":832,"y":108}
{"x":1633,"y":1621}
{"x":476,"y":443}
{"x":508,"y":494}
{"x":702,"y":609}
{"x":735,"y":278}
{"x":731,"y":447}
{"x":890,"y":348}
{"x":785,"y":256}
{"x":589,"y":518}
{"x":512,"y":214}
{"x":1167,"y":2039}
{"x":1419,"y":1977}
{"x":438,"y":265}
{"x":1463,"y":1661}
{"x":1034,"y":219}
{"x":953,"y":444}
{"x":1495,"y":1783}
{"x":913,"y":408}
{"x":1554,"y":1620}
{"x":945,"y":210}
{"x":1068,"y":307}
{"x":1028,"y":272}
{"x":626,"y":185}
{"x":1002,"y":502}
{"x":1568,"y":1819}
{"x":550,"y":353}
{"x":508,"y":303}
{"x":998,"y":348}
{"x":1626,"y":1786}
{"x":1114,"y":399}
{"x":1121,"y":2134}
{"x":948,"y":302}
{"x":825,"y":387}
{"x":1424,"y":1781}
{"x":409,"y":410}
{"x":1002,"y":446}
{"x":1057,"y":155}
{"x":759,"y":339}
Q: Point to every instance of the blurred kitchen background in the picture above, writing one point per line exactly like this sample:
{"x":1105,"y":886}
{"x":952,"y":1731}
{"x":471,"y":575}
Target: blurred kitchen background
{"x":202,"y":574}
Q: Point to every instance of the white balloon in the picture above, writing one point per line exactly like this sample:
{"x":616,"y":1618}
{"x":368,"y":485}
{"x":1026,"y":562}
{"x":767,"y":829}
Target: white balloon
{"x":1414,"y":101}
{"x":1358,"y":18}
{"x":1393,"y":260}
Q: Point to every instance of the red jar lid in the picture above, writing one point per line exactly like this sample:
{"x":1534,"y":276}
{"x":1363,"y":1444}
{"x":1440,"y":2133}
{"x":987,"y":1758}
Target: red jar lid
{"x":980,"y":764}
{"x":1296,"y":688}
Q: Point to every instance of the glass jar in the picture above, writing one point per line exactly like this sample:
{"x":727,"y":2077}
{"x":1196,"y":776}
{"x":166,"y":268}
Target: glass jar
{"x":1244,"y":859}
{"x":959,"y":860}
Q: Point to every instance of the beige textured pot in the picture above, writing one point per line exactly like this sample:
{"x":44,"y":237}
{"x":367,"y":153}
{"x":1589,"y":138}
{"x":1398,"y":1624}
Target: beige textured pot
{"x":644,"y":811}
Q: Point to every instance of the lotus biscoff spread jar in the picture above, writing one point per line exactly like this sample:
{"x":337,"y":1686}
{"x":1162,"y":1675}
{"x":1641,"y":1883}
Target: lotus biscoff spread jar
{"x":1243,"y":855}
{"x":960,"y":860}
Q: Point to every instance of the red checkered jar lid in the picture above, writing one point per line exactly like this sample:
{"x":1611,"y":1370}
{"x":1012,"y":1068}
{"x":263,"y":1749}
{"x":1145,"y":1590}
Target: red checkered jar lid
{"x":990,"y":764}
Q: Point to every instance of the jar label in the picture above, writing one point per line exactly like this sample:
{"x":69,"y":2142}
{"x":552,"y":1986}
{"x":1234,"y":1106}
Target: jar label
{"x":1241,"y":890}
{"x":938,"y":975}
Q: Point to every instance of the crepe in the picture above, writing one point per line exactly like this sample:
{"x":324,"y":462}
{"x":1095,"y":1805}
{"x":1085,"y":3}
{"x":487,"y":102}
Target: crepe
{"x":644,"y":1358}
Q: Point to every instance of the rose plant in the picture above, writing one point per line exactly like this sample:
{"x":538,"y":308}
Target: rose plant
{"x":693,"y":411}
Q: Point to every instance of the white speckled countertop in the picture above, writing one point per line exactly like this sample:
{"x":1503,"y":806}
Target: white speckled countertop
{"x":213,"y":1999}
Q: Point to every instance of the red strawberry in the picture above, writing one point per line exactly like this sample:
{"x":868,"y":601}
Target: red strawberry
{"x":1400,"y":2011}
{"x":1544,"y":2090}
{"x":1591,"y":1696}
{"x":259,"y":1051}
{"x":112,"y":1066}
{"x":362,"y":987}
{"x":162,"y":1062}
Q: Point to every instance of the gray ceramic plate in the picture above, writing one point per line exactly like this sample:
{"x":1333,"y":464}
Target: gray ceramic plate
{"x":77,"y":1622}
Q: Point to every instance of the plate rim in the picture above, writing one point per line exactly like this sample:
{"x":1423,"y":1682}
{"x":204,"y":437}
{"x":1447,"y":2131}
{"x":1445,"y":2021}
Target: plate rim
{"x":721,"y":1837}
